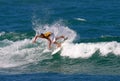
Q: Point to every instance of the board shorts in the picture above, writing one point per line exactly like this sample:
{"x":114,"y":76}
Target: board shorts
{"x":50,"y":35}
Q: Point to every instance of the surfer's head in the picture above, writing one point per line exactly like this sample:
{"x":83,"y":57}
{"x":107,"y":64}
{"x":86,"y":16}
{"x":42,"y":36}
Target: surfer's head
{"x":41,"y":35}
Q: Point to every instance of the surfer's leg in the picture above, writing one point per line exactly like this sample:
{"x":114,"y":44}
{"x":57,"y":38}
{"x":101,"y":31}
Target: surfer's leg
{"x":58,"y":44}
{"x":60,"y":37}
{"x":65,"y":38}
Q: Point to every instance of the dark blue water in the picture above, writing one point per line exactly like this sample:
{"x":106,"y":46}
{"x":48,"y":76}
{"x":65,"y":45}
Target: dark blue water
{"x":58,"y":77}
{"x":92,"y":52}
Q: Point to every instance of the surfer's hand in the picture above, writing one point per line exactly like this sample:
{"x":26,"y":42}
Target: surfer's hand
{"x":34,"y":41}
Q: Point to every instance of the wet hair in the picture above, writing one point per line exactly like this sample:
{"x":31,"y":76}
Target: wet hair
{"x":42,"y":35}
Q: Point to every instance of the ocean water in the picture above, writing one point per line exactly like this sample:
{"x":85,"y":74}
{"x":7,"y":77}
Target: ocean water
{"x":91,"y":53}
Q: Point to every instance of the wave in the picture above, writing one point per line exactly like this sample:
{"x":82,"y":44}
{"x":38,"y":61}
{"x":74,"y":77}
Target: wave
{"x":23,"y":52}
{"x":86,"y":50}
{"x":13,"y":54}
{"x":2,"y":33}
{"x":24,"y":56}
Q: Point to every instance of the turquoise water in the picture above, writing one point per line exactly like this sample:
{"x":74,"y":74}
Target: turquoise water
{"x":92,"y":49}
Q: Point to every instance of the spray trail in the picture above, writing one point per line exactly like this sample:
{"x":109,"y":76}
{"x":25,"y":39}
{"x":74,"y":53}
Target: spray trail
{"x":58,"y":29}
{"x":22,"y":52}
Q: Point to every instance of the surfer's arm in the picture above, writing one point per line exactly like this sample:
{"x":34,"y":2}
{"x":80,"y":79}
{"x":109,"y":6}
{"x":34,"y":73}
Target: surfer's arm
{"x":35,"y":39}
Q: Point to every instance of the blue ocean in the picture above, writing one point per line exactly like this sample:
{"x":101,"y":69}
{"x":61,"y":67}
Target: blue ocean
{"x":91,"y":52}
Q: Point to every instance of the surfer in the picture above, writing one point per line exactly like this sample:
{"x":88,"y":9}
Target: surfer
{"x":50,"y":37}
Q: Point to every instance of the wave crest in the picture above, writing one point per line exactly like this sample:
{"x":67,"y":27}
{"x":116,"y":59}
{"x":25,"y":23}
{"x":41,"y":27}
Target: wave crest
{"x":86,"y":50}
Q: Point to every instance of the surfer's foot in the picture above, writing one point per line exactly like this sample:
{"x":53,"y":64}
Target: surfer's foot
{"x":58,"y":45}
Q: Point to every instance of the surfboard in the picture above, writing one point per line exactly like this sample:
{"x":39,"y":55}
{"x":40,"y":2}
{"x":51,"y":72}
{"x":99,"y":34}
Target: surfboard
{"x":56,"y":50}
{"x":59,"y":48}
